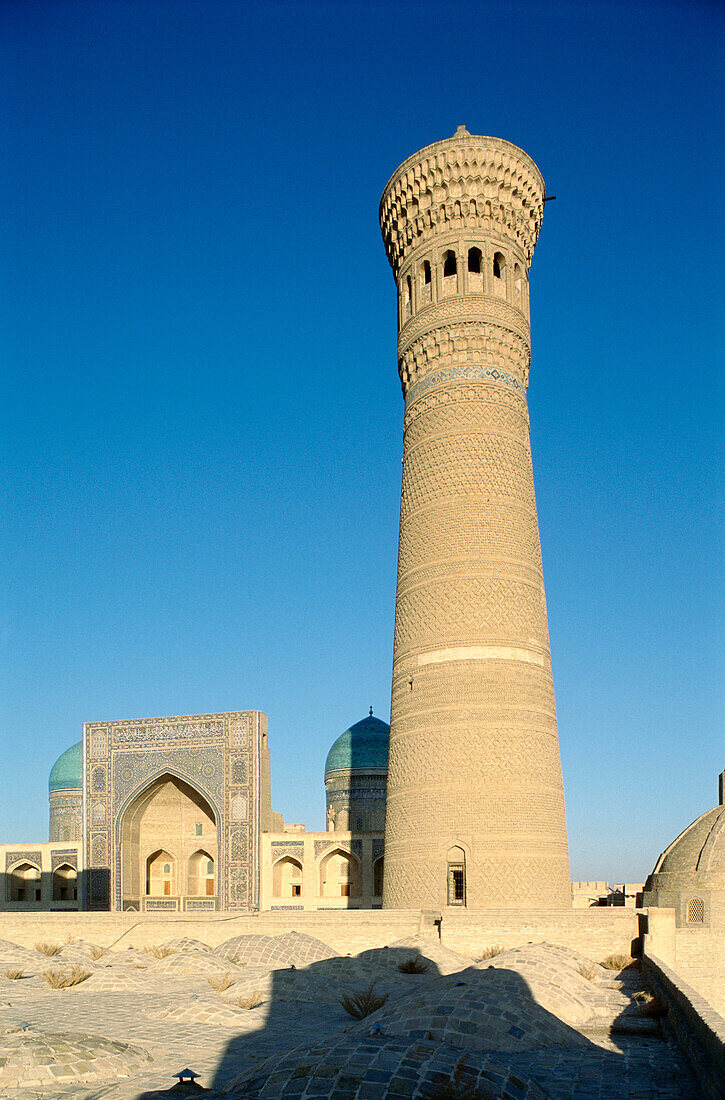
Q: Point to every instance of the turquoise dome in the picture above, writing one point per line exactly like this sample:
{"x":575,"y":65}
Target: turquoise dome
{"x":67,"y":772}
{"x":363,"y":746}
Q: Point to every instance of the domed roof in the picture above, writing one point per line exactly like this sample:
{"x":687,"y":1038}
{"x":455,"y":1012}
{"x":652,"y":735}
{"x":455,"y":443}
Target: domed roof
{"x":363,"y":746}
{"x":700,"y":848}
{"x":67,"y":772}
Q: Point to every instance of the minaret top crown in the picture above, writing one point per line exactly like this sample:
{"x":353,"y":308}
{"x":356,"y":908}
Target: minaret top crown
{"x":465,"y":181}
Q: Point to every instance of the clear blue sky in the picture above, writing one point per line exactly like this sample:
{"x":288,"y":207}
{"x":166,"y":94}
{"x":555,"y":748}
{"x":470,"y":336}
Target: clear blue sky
{"x":200,"y":403}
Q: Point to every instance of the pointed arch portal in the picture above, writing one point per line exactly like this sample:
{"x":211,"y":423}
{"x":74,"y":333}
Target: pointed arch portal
{"x":169,"y":845}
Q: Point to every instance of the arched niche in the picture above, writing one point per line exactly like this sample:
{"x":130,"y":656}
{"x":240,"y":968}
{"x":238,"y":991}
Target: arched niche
{"x":378,"y":870}
{"x":287,"y":878}
{"x":201,"y":874}
{"x":24,"y":882}
{"x":65,"y":883}
{"x":339,"y":874}
{"x":171,"y":816}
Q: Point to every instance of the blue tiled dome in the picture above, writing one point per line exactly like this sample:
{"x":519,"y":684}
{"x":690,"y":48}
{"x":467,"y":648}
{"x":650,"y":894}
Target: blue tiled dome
{"x":363,"y":746}
{"x":67,"y":772}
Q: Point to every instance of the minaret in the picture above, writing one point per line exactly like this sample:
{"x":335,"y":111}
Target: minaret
{"x":475,"y":801}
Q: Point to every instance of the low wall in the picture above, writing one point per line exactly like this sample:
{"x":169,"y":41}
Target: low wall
{"x":698,"y":1028}
{"x":594,"y":932}
{"x":346,"y":931}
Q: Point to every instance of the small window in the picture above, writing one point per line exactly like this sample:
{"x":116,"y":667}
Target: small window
{"x":408,"y":289}
{"x":695,"y":911}
{"x":426,"y":272}
{"x":210,"y":867}
{"x":499,"y":266}
{"x":167,"y":868}
{"x":449,"y":263}
{"x":474,"y":260}
{"x":345,"y":890}
{"x":358,"y":823}
{"x":456,"y":884}
{"x":198,"y":828}
{"x":296,"y":889}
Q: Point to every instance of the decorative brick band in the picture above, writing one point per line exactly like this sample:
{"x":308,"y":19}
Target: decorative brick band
{"x":464,"y":374}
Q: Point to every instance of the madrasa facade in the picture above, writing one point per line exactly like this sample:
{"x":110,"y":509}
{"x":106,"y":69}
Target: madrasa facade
{"x":174,"y":814}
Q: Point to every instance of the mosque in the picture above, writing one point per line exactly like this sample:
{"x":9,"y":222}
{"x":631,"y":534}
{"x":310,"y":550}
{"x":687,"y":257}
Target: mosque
{"x":460,"y":802}
{"x":174,"y":814}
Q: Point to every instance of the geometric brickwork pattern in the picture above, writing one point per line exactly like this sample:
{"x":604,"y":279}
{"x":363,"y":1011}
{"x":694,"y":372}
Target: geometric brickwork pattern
{"x":474,"y":754}
{"x":216,"y":754}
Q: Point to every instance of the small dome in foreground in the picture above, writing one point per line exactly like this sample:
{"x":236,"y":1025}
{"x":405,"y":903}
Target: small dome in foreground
{"x":362,"y":747}
{"x":67,"y":772}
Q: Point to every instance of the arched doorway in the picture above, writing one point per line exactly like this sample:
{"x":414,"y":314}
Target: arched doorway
{"x":168,"y":837}
{"x":378,"y":869}
{"x":161,"y":875}
{"x":339,"y":875}
{"x":287,"y":878}
{"x":65,"y":883}
{"x":24,"y":883}
{"x":200,"y":875}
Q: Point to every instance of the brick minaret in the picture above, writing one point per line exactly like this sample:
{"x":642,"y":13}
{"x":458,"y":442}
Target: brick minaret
{"x":475,"y":804}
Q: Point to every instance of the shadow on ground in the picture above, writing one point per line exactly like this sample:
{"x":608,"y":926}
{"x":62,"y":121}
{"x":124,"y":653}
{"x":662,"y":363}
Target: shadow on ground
{"x":474,"y":1034}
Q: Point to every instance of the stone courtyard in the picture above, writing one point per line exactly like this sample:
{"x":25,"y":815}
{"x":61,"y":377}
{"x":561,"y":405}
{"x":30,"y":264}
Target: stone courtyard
{"x":261,"y":1016}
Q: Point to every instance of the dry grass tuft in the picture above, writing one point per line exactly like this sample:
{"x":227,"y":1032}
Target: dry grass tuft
{"x":455,"y":1088}
{"x":650,"y":1005}
{"x":13,"y":975}
{"x":221,"y":982}
{"x":490,"y":952}
{"x":415,"y":965}
{"x":364,"y":1003}
{"x":252,"y":1001}
{"x":49,"y":949}
{"x":588,"y":971}
{"x":97,"y":953}
{"x":619,"y":962}
{"x":64,"y":979}
{"x":159,"y":951}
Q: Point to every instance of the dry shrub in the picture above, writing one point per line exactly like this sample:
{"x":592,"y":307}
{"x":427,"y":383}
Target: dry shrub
{"x":490,"y":952}
{"x":415,"y":965}
{"x":588,"y":971}
{"x":252,"y":1001}
{"x":650,"y":1005}
{"x":455,"y":1088}
{"x":362,"y":1004}
{"x":159,"y":950}
{"x":618,"y":962}
{"x":13,"y":975}
{"x":97,"y":953}
{"x":221,"y":982}
{"x":64,"y":979}
{"x":49,"y":949}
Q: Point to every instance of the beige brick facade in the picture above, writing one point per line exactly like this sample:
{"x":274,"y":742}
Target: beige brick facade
{"x":475,"y":805}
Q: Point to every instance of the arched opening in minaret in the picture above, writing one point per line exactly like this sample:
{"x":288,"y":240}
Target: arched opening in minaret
{"x":449,"y":264}
{"x":474,"y":260}
{"x":499,"y":266}
{"x":456,"y":876}
{"x":408,"y":296}
{"x":426,"y":272}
